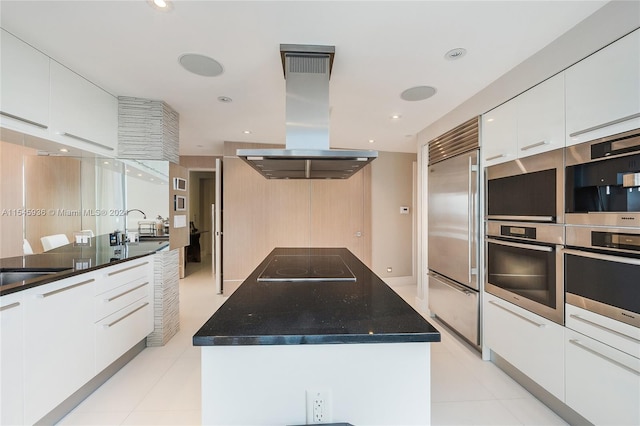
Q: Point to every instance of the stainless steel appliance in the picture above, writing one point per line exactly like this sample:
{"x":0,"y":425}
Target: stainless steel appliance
{"x":525,"y":266}
{"x":453,"y":232}
{"x":602,"y":271}
{"x":603,"y":181}
{"x":527,"y":189}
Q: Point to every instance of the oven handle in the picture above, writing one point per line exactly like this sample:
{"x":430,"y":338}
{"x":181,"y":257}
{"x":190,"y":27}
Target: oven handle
{"x":520,"y":245}
{"x":582,"y":346}
{"x":609,"y":257}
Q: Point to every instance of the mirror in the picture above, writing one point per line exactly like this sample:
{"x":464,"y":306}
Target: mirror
{"x":48,"y":189}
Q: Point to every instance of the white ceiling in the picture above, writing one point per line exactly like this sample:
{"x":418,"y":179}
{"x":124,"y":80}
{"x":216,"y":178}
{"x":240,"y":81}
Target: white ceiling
{"x":382,"y":48}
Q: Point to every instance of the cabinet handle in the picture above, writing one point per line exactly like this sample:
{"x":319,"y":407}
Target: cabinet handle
{"x":24,"y":120}
{"x":495,"y":157}
{"x":125,"y":316}
{"x":535,"y":145}
{"x":603,"y":125}
{"x":80,"y":138}
{"x":537,"y":324}
{"x":111,"y":299}
{"x":12,"y":305}
{"x":604,"y":357}
{"x":60,"y":290}
{"x":602,"y":327}
{"x":127,"y":269}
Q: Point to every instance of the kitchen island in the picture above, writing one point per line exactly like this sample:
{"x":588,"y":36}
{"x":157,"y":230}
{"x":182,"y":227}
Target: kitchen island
{"x":312,"y":321}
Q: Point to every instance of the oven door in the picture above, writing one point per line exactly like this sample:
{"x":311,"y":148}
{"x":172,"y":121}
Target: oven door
{"x":604,"y":283}
{"x":527,"y":275}
{"x":527,"y":189}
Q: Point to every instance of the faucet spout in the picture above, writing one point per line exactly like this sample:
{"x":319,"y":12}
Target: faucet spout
{"x":137,"y":210}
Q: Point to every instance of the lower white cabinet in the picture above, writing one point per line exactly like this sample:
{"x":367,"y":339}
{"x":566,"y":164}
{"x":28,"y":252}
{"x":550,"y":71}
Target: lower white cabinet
{"x":59,"y":350}
{"x":11,"y":363}
{"x":531,"y":343}
{"x":603,"y":383}
{"x":602,"y":368}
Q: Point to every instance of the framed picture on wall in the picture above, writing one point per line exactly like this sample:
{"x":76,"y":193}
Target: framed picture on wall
{"x":179,"y":203}
{"x":179,"y":184}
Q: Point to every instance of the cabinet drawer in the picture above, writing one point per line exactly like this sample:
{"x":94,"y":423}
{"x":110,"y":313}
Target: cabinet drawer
{"x":532,"y":344}
{"x":120,"y":331}
{"x":602,"y":383}
{"x":621,"y":336}
{"x":116,"y":299}
{"x":123,"y":273}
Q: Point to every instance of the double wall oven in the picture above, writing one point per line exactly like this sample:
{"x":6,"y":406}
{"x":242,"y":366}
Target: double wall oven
{"x":602,"y":258}
{"x":525,"y":233}
{"x":565,"y":226}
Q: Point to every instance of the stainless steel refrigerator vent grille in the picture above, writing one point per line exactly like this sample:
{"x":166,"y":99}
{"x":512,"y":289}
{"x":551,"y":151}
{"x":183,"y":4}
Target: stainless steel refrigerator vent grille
{"x":308,"y":64}
{"x":458,"y":140}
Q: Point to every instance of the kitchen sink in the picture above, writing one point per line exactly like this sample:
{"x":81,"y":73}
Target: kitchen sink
{"x":14,"y":275}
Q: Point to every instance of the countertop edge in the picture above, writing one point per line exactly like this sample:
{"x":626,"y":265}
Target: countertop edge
{"x":329,"y":339}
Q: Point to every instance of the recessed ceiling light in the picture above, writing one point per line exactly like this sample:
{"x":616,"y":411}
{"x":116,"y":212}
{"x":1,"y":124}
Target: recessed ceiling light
{"x":139,"y":174}
{"x":225,"y":99}
{"x":395,"y":117}
{"x":163,"y":5}
{"x":247,"y":132}
{"x":106,"y":162}
{"x":456,"y":53}
{"x":418,"y":93}
{"x":371,"y":140}
{"x":63,"y":150}
{"x":200,"y":65}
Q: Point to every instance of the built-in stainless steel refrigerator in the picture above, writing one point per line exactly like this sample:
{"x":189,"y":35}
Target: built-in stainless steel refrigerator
{"x":453,"y":231}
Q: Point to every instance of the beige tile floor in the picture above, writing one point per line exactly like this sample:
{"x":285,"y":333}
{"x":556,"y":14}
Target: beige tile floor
{"x":161,"y":386}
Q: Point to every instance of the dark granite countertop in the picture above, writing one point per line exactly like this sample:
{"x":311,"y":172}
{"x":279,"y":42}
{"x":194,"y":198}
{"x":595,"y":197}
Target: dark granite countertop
{"x":315,"y":312}
{"x":76,"y":260}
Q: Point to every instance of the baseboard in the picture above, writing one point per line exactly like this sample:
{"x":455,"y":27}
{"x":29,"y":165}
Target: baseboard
{"x":399,"y":281}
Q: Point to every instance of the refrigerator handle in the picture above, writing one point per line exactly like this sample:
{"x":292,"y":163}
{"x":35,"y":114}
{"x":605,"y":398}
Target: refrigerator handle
{"x":470,"y":216}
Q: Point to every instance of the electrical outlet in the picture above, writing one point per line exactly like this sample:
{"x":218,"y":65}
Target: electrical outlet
{"x":318,"y":406}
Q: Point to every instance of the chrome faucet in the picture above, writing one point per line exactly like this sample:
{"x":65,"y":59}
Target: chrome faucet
{"x":137,"y":210}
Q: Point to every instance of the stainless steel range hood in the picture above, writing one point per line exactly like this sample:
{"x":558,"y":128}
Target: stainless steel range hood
{"x":307,"y":155}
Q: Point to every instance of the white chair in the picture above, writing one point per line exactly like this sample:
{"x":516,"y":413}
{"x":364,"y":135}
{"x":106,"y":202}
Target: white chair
{"x":52,"y":241}
{"x":26,"y":247}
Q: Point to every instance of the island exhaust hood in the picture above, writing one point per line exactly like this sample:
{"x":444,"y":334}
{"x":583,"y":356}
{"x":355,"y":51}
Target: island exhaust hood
{"x":307,"y":69}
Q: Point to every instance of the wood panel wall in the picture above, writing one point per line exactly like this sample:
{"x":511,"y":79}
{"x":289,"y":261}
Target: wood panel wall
{"x":261,"y":214}
{"x":178,"y":237}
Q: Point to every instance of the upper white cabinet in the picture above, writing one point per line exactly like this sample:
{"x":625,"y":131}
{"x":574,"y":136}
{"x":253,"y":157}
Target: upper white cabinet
{"x":499,"y":134}
{"x":541,"y":117}
{"x":530,"y":123}
{"x":603,"y":92}
{"x":82,"y":114}
{"x":24,"y":95}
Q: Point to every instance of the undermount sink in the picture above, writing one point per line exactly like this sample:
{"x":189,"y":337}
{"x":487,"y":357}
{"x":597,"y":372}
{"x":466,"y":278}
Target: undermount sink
{"x":14,"y":275}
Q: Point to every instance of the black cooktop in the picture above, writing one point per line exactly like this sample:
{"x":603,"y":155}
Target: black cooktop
{"x":306,"y":268}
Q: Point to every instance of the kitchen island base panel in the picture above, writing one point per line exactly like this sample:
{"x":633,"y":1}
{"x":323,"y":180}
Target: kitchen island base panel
{"x":372,"y":384}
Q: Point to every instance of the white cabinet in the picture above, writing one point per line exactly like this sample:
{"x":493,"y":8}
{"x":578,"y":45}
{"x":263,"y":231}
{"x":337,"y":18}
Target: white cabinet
{"x":59,"y":347}
{"x":603,"y":383}
{"x":11,"y":342}
{"x":24,"y":96}
{"x":603,"y":92}
{"x":499,"y":134}
{"x":541,"y":117}
{"x":123,"y":309}
{"x":530,"y":123}
{"x":82,"y":114}
{"x":532,"y":344}
{"x":602,"y":368}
